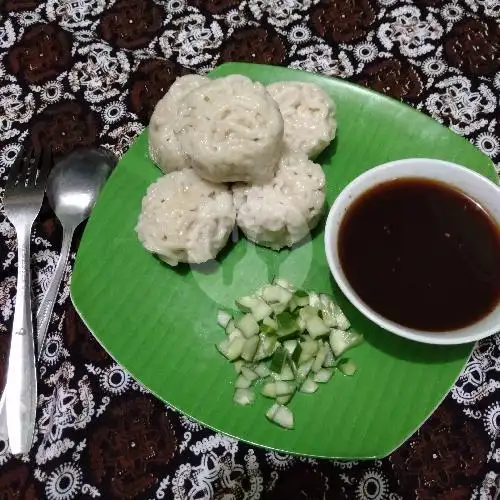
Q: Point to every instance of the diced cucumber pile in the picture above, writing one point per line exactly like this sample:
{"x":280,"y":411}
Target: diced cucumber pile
{"x":287,"y":340}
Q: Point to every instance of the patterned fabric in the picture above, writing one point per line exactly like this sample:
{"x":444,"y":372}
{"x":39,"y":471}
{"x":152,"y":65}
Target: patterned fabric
{"x":89,"y":72}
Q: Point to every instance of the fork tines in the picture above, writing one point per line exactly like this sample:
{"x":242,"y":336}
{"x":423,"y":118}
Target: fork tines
{"x":30,"y":168}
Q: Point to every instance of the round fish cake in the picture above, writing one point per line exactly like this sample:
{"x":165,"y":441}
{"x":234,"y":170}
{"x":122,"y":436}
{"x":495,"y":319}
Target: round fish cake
{"x":164,"y":149}
{"x":283,"y":211}
{"x":185,"y":218}
{"x":309,"y":116}
{"x":232,"y":130}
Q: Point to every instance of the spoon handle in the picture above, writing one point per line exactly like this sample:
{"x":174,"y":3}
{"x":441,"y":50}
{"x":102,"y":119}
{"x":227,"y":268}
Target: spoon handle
{"x":44,"y":312}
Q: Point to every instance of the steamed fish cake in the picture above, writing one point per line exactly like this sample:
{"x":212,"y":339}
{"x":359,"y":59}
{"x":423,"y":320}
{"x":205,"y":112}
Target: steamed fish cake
{"x":283,"y":211}
{"x":164,"y":148}
{"x":185,"y":218}
{"x":308,"y":114}
{"x":231,"y":130}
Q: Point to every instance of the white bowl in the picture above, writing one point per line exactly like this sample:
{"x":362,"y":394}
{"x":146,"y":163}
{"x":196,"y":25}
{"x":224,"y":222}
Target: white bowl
{"x":479,"y":188}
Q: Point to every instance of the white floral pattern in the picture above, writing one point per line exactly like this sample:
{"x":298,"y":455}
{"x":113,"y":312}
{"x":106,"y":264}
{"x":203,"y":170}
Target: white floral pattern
{"x":464,"y":107}
{"x":413,"y":34}
{"x":64,"y":483}
{"x":100,"y":74}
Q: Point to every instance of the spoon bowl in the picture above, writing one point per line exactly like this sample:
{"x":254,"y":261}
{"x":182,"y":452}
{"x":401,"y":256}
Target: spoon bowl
{"x":75,"y":183}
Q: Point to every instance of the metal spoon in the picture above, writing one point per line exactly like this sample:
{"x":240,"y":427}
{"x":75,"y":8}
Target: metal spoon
{"x":72,"y":190}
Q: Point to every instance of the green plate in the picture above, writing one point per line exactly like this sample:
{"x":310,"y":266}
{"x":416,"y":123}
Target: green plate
{"x":160,"y":323}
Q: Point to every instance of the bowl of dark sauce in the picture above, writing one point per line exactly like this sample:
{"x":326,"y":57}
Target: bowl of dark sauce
{"x":414,"y":244}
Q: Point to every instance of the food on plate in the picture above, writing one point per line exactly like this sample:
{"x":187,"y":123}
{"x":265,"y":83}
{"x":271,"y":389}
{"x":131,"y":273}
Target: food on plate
{"x":309,"y":116}
{"x":164,"y":148}
{"x":282,"y":211}
{"x":288,"y":341}
{"x":185,"y":218}
{"x":231,"y":129}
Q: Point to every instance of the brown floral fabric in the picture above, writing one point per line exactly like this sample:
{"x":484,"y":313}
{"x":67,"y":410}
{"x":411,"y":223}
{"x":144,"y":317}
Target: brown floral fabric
{"x":79,"y":73}
{"x":356,"y":19}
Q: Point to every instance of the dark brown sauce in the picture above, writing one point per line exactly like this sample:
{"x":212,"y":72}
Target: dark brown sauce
{"x":422,"y":254}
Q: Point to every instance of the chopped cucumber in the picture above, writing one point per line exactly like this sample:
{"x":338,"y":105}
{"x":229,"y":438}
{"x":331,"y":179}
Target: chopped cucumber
{"x":308,"y":312}
{"x":270,"y":322}
{"x":272,"y":411}
{"x":287,"y":325}
{"x":286,"y":373}
{"x":244,"y":396}
{"x":278,"y":307}
{"x":285,"y":399}
{"x":222,"y":347}
{"x":282,"y":337}
{"x":230,"y":327}
{"x":305,"y":357}
{"x":250,"y":348}
{"x":290,"y":345}
{"x":309,"y":346}
{"x":283,"y":387}
{"x":303,"y":371}
{"x":301,"y":300}
{"x":342,"y":321}
{"x":268,"y":390}
{"x":242,"y":382}
{"x":301,"y":323}
{"x":255,"y":306}
{"x":267,"y":330}
{"x":292,"y":305}
{"x":231,"y":349}
{"x":223,"y":318}
{"x":329,"y":310}
{"x":276,"y":294}
{"x":323,"y":376}
{"x":330,"y":360}
{"x":320,"y":358}
{"x":245,"y":304}
{"x":235,"y":333}
{"x":347,"y":367}
{"x":281,"y":415}
{"x":283,"y":283}
{"x":262,"y":370}
{"x":308,"y":386}
{"x":248,"y":326}
{"x":278,"y":360}
{"x":249,"y":374}
{"x":279,"y":341}
{"x":266,"y":348}
{"x":316,"y":327}
{"x":309,"y":350}
{"x":341,"y":340}
{"x":296,"y":354}
{"x":261,"y":311}
{"x":314,"y":300}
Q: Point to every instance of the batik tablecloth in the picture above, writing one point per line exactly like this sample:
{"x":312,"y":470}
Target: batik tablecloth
{"x":79,"y":73}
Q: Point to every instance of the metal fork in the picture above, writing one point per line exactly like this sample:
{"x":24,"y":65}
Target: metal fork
{"x":23,"y":199}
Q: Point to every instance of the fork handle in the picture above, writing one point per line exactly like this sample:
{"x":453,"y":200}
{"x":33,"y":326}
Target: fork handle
{"x":21,"y":384}
{"x":44,"y":312}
